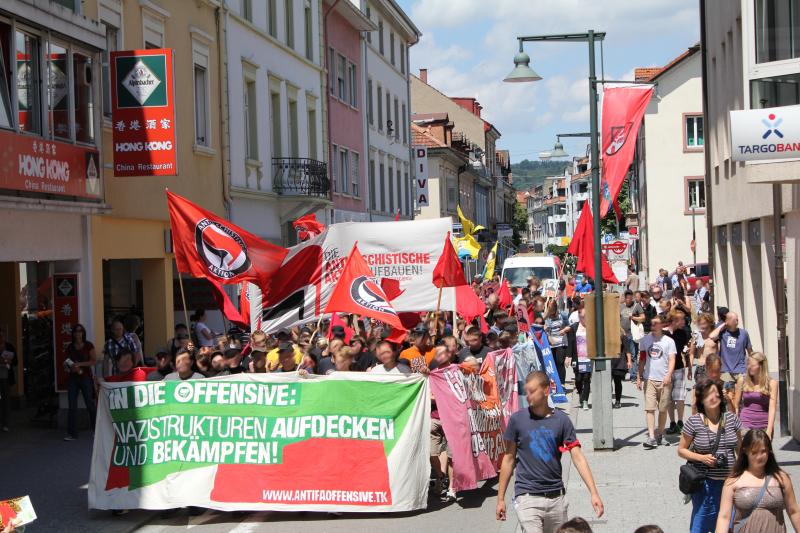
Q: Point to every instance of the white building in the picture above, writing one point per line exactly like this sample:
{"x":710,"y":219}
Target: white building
{"x":276,"y":136}
{"x":671,"y":188}
{"x":752,"y":62}
{"x":386,"y":63}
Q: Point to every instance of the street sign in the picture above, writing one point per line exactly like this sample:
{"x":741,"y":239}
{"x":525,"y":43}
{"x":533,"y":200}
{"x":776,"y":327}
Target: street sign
{"x":616,"y":250}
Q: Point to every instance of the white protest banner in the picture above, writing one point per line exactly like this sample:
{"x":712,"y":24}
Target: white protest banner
{"x":406,"y":251}
{"x":354,"y":442}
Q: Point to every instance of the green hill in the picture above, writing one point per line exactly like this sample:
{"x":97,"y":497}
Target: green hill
{"x":528,"y":173}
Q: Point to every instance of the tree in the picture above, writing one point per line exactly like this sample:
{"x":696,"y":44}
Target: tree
{"x":609,"y":222}
{"x":519,"y":223}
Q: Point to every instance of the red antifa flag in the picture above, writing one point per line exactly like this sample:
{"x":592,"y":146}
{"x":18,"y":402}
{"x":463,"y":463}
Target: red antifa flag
{"x":582,"y":246}
{"x":207,"y":246}
{"x":358,"y":292}
{"x":308,"y":226}
{"x":623,"y":109}
{"x":448,"y":271}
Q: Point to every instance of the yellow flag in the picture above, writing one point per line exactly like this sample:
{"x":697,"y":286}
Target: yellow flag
{"x":467,"y":226}
{"x":467,"y":245}
{"x":488,"y":272}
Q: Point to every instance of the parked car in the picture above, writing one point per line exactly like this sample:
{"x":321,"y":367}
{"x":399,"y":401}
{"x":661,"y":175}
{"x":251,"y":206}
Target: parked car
{"x":698,"y":271}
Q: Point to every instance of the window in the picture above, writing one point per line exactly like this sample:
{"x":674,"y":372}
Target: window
{"x":58,"y":91}
{"x":332,"y":71}
{"x":355,"y":174}
{"x":112,"y":45}
{"x":391,"y":47}
{"x":380,"y":36}
{"x":370,"y":116}
{"x":396,"y":120}
{"x":201,"y":97}
{"x":312,"y":128}
{"x":344,"y":170}
{"x":390,"y":126}
{"x":289,"y":12}
{"x":404,"y":119}
{"x":28,"y":80}
{"x":308,"y":31}
{"x":275,"y":120}
{"x":294,"y":142}
{"x":369,"y":16}
{"x":777,"y":30}
{"x":695,"y":195}
{"x":382,"y":177}
{"x":775,"y":91}
{"x":373,"y":189}
{"x":391,"y":189}
{"x":694,"y":132}
{"x":153,"y":31}
{"x":272,"y":18}
{"x":403,"y":58}
{"x":250,"y":120}
{"x":406,"y":210}
{"x":341,"y":84}
{"x":380,"y":108}
{"x":353,"y":88}
{"x":246,"y":10}
{"x":5,"y":88}
{"x":334,"y":164}
{"x":399,"y":189}
{"x":83,"y":97}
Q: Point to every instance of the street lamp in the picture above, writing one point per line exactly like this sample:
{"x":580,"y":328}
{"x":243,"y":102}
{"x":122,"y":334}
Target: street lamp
{"x":603,"y":430}
{"x":558,"y":150}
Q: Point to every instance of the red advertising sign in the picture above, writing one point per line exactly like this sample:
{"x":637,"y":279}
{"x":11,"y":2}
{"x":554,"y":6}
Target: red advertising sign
{"x":143,"y":113}
{"x":50,"y":167}
{"x":65,"y":315}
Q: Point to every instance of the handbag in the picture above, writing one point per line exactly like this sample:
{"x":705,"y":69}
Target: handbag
{"x":637,"y":331}
{"x":693,"y":475}
{"x":741,"y":524}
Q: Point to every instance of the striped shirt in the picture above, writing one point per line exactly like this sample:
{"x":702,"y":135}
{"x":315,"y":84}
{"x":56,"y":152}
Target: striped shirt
{"x":703,"y":440}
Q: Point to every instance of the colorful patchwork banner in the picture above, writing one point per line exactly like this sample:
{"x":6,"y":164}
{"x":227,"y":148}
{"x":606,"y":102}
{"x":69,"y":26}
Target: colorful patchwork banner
{"x":344,"y":442}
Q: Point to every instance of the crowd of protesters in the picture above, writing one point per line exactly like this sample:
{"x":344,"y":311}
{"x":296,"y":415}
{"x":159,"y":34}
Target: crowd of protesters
{"x":668,"y":339}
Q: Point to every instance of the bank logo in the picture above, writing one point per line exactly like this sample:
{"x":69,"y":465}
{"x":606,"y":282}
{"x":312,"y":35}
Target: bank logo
{"x":223,"y":251}
{"x":366,"y":292}
{"x":772,"y":126}
{"x":141,"y":82}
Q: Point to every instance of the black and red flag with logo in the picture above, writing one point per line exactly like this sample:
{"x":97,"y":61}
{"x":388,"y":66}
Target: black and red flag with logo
{"x":207,"y":246}
{"x":357,"y":291}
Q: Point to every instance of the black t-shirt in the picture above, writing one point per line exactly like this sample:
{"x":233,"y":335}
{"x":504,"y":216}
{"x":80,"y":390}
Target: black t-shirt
{"x":540,"y":442}
{"x":681,"y":338}
{"x":364,"y":360}
{"x":466,"y":351}
{"x":325,"y":365}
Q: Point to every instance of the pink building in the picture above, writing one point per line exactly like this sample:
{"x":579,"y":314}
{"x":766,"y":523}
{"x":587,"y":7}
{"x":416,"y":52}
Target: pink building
{"x":347,"y":135}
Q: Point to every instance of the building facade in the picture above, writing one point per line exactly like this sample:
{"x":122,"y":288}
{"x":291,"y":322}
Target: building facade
{"x":752,"y":63}
{"x":274,"y":134}
{"x":671,"y":182}
{"x":389,"y":169}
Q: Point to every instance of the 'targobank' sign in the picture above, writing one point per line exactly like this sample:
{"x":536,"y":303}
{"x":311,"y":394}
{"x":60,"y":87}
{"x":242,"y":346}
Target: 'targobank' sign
{"x":765,"y":134}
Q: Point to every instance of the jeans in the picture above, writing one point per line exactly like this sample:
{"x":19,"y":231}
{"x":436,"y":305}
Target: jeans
{"x":618,"y":376}
{"x":86,"y":388}
{"x":559,"y":356}
{"x":705,"y":506}
{"x":583,"y":384}
{"x":634,"y":348}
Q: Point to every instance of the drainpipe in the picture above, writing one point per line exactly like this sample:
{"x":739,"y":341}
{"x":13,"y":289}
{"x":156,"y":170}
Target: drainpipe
{"x":412,"y":175}
{"x":325,"y":102}
{"x":706,"y":153}
{"x":224,"y":111}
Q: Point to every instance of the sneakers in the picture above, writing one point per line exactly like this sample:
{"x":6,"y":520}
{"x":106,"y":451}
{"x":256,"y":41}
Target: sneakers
{"x":616,"y":405}
{"x":680,"y":426}
{"x":650,"y":443}
{"x":672,"y":429}
{"x":449,"y":497}
{"x":70,"y":438}
{"x":585,"y":406}
{"x":661,"y":440}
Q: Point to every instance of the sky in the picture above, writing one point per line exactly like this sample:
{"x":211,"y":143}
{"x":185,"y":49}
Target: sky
{"x":468,"y":47}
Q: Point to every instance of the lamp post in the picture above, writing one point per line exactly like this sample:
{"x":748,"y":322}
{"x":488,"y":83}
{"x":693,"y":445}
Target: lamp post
{"x":603,"y":434}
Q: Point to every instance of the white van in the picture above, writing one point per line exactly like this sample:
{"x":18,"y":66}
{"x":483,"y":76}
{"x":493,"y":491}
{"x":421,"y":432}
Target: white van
{"x":518,"y":268}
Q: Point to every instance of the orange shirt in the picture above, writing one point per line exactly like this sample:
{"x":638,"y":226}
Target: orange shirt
{"x":416,"y":359}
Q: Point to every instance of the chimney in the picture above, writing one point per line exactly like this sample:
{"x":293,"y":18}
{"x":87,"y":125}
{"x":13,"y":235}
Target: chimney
{"x":423,"y":75}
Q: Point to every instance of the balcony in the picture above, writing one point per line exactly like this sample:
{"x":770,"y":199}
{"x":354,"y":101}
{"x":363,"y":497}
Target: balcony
{"x":299,"y":176}
{"x":556,"y":218}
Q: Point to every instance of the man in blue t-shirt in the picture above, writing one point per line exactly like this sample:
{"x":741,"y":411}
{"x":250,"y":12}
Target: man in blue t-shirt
{"x":734,"y":345}
{"x":535,"y":438}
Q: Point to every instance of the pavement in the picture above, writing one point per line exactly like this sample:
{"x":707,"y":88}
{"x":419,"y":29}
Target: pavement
{"x":637,"y":486}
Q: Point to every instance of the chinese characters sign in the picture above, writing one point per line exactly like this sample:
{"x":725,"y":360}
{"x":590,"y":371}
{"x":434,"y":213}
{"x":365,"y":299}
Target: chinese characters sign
{"x":65,"y":316}
{"x":143,"y":113}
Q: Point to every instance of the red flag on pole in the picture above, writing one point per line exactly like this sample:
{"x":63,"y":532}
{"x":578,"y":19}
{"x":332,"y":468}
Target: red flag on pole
{"x":358,"y":292}
{"x":448,"y":271}
{"x":207,"y":246}
{"x":308,"y":226}
{"x":336,"y":320}
{"x":623,"y":109}
{"x":583,"y":248}
{"x":244,"y":304}
{"x":225,"y":304}
{"x":504,"y":298}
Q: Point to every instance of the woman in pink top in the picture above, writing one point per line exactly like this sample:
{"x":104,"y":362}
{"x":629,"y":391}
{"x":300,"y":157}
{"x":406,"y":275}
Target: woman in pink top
{"x":756,"y":397}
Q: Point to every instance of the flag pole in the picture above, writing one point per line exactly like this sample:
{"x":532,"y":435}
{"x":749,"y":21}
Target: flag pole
{"x":183,"y":300}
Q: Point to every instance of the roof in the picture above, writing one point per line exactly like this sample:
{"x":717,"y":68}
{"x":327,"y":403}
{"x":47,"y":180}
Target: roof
{"x":429,"y":117}
{"x":522,"y":196}
{"x":421,"y":136}
{"x":645,"y":73}
{"x":651,"y":73}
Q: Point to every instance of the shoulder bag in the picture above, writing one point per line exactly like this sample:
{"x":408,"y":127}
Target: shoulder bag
{"x":693,"y":475}
{"x":637,"y":331}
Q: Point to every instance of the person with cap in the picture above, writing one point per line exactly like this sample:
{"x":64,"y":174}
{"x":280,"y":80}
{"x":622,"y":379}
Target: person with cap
{"x":286,"y":358}
{"x":273,"y":355}
{"x":163,"y":367}
{"x":420,"y":354}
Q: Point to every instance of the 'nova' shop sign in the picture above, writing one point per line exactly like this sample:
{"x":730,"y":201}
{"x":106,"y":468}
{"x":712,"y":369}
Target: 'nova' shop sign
{"x":765,"y":134}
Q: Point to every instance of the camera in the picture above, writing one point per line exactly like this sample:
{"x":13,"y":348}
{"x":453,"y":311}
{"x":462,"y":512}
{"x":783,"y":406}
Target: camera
{"x":720,"y":460}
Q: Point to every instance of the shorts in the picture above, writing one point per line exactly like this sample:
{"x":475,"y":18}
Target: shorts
{"x":657,"y":396}
{"x":679,"y":385}
{"x":729,"y":380}
{"x":438,"y":440}
{"x":537,"y":514}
